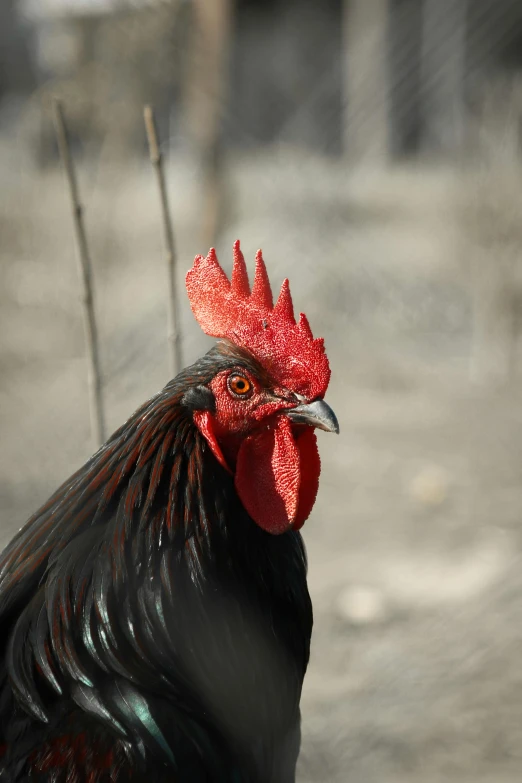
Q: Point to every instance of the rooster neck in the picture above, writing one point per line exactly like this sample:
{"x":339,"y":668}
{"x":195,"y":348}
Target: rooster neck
{"x":154,"y":486}
{"x":144,"y":572}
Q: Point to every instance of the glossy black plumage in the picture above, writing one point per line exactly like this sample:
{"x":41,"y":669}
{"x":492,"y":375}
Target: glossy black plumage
{"x":148,"y":628}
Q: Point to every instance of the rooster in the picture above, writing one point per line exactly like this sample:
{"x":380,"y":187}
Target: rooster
{"x":155,"y":620}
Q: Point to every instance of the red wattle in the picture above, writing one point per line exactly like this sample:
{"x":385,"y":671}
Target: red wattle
{"x":310,"y":469}
{"x":277,"y":473}
{"x":277,"y":478}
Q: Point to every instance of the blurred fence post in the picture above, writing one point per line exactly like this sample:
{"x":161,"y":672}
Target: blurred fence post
{"x":404,"y":63}
{"x":442,"y":73}
{"x":205,"y":97}
{"x":366,"y":89}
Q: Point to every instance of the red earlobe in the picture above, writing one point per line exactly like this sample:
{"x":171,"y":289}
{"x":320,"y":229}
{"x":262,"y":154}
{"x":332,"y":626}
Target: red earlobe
{"x":204,"y":422}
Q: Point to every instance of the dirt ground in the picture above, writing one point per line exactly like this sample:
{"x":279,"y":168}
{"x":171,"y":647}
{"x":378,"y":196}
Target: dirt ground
{"x":415,"y":541}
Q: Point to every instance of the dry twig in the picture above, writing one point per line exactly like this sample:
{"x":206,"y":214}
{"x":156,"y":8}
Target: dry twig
{"x":89,"y":317}
{"x":156,"y":159}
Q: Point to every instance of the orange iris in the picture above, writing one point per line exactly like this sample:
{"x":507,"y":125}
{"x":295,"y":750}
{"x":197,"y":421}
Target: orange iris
{"x":239,"y":385}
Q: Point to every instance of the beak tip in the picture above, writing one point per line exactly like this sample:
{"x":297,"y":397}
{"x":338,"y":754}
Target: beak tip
{"x":316,"y":414}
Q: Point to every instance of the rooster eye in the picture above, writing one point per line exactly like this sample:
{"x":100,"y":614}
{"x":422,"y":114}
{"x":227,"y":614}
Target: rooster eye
{"x":239,"y":385}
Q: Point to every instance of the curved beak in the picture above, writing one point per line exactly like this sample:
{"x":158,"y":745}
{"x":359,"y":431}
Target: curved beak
{"x":315,"y":414}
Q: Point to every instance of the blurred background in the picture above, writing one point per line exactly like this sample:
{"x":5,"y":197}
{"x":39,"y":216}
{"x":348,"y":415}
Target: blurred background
{"x":373,"y":148}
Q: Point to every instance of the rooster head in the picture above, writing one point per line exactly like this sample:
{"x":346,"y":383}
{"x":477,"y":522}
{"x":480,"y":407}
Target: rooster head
{"x":261,"y":409}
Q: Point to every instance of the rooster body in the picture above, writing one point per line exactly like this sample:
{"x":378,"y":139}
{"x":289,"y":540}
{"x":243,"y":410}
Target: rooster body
{"x":153,"y":625}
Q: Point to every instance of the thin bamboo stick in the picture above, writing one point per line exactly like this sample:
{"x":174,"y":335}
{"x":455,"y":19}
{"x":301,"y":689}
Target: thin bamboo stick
{"x":156,"y":158}
{"x":89,"y":317}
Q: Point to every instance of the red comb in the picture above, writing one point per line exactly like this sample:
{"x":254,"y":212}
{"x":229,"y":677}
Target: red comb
{"x":227,"y":308}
